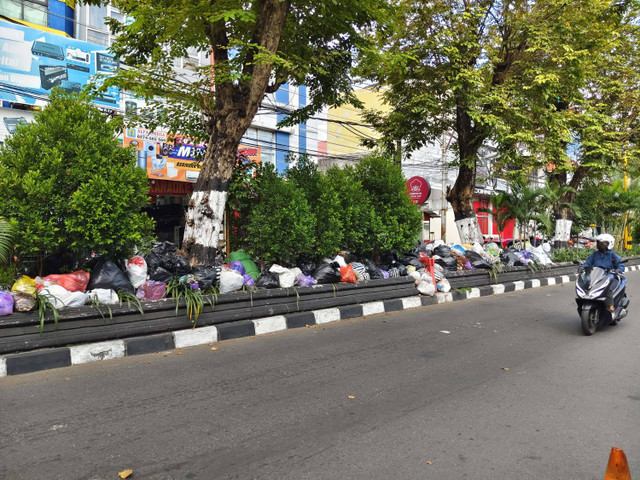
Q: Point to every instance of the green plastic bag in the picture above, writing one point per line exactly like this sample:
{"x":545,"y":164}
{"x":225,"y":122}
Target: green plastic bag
{"x":248,"y":264}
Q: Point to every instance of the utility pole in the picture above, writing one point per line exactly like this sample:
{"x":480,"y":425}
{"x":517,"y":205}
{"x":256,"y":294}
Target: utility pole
{"x":626,"y":244}
{"x":443,"y":216}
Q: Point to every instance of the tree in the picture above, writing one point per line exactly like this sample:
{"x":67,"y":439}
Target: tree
{"x":6,"y":237}
{"x":65,"y":182}
{"x":490,"y":71}
{"x":501,"y":211}
{"x":257,"y":46}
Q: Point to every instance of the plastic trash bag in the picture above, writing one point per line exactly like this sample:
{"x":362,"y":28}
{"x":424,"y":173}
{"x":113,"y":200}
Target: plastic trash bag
{"x":60,"y":297}
{"x":510,"y":258}
{"x":106,"y":274}
{"x":442,"y":251}
{"x":425,"y":285}
{"x":448,"y":263}
{"x":6,"y":303}
{"x":238,"y":267}
{"x":137,"y":270}
{"x":268,"y":280}
{"x":438,"y":272}
{"x":191,"y":281}
{"x":73,"y":282}
{"x":176,"y":264}
{"x":306,"y":265}
{"x":327,"y":273}
{"x":347,"y":274}
{"x":160,"y":274}
{"x":340,"y":261}
{"x":411,"y":259}
{"x":459,"y":249}
{"x":394,"y":272}
{"x":104,"y":296}
{"x":24,"y":284}
{"x":249,"y":265}
{"x":230,"y":280}
{"x":306,"y":281}
{"x":205,"y":275}
{"x":286,"y":277}
{"x":385,"y":274}
{"x":373,"y":271}
{"x":444,"y":285}
{"x":248,"y":280}
{"x":151,"y":290}
{"x":23,"y":302}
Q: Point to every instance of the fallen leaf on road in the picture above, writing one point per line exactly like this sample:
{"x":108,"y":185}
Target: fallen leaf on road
{"x":125,"y":473}
{"x":214,"y":348}
{"x":505,"y":368}
{"x":148,"y":363}
{"x":351,"y":396}
{"x":67,"y":378}
{"x":428,"y":462}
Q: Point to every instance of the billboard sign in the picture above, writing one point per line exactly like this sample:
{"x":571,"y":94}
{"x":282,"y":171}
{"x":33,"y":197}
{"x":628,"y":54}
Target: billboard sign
{"x":32,"y":62}
{"x":418,"y":189}
{"x":172,"y":157}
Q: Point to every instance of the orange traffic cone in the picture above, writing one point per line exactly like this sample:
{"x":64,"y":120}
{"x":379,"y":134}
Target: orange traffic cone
{"x":618,"y":468}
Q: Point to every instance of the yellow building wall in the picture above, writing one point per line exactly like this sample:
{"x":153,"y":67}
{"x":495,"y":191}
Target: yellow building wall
{"x":345,"y":139}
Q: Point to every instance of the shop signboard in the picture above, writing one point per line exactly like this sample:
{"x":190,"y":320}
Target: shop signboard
{"x":172,"y":157}
{"x":418,"y":189}
{"x":32,"y":62}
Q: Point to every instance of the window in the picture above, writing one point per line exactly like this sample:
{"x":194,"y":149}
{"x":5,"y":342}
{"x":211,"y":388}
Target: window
{"x":90,"y":24}
{"x":32,"y":11}
{"x":265,"y":140}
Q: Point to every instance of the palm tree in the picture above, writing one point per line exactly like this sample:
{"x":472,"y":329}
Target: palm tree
{"x":500,"y":212}
{"x":553,"y":195}
{"x":6,"y":234}
{"x":525,"y":205}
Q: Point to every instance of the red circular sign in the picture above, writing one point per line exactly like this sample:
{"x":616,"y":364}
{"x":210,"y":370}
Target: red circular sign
{"x":418,"y":189}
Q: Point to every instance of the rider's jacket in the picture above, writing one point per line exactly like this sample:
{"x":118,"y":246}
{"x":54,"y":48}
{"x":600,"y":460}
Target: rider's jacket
{"x":607,"y":260}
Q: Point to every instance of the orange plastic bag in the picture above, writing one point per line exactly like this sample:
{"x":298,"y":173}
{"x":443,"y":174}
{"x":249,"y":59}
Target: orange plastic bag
{"x":73,"y":282}
{"x":347,"y":274}
{"x":618,"y":467}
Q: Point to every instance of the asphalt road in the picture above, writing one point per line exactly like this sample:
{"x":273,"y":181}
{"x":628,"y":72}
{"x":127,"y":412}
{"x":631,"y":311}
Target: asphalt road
{"x":512,"y":390}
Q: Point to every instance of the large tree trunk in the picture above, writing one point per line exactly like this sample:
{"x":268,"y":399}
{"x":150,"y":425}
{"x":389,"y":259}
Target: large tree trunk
{"x":461,"y":195}
{"x":564,"y":216}
{"x":230,"y":116}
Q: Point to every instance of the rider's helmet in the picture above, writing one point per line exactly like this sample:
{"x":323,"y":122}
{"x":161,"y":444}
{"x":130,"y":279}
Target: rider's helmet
{"x":605,"y":242}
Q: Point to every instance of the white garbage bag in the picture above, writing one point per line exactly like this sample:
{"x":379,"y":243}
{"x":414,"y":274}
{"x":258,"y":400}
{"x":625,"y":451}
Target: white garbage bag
{"x":230,"y":280}
{"x":104,"y":296}
{"x":425,"y":285}
{"x":444,"y":285}
{"x":340,"y":260}
{"x":287,"y":277}
{"x":137,"y":271}
{"x":61,"y":297}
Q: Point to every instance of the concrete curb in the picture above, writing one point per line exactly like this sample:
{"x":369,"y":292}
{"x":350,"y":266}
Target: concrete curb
{"x":46,"y":359}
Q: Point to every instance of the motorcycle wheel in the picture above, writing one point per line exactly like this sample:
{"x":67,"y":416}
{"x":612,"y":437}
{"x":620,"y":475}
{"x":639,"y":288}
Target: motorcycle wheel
{"x":589,"y":321}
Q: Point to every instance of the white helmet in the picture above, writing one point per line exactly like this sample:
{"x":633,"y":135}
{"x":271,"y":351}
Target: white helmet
{"x":605,"y":237}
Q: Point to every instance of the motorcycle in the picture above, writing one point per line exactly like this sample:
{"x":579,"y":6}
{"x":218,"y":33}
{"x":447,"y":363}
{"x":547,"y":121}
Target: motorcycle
{"x":591,"y":288}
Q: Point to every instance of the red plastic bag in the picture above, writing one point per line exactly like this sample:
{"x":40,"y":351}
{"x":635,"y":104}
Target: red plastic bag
{"x":424,"y":258}
{"x":347,"y":274}
{"x":73,"y":282}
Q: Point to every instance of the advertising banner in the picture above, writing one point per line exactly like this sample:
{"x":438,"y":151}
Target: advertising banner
{"x":32,"y":62}
{"x":172,"y":157}
{"x":418,"y":189}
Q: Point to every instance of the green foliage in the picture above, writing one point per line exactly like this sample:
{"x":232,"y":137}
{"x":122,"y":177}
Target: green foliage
{"x":400,"y":220}
{"x":8,"y":275}
{"x":365,"y":210}
{"x":46,"y":310}
{"x":570,"y":254}
{"x":66,"y":182}
{"x":282,"y":223}
{"x":193,"y":299}
{"x":6,"y":237}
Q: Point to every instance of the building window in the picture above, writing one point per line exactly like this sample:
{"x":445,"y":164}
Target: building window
{"x":32,"y":11}
{"x":91,"y":26}
{"x":265,"y":140}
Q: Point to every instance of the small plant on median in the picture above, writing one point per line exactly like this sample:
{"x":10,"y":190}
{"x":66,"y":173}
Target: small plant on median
{"x":193,"y":298}
{"x":43,"y":306}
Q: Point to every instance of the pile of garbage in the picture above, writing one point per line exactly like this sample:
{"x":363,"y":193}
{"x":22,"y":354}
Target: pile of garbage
{"x":147,"y":276}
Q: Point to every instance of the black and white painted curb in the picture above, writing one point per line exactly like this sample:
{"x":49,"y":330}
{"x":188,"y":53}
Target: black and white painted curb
{"x":45,"y":359}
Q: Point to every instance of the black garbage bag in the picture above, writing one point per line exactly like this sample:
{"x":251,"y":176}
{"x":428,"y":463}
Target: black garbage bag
{"x":268,"y":280}
{"x":205,"y":275}
{"x":412,"y":259}
{"x":442,"y":251}
{"x":476,"y":260}
{"x":153,"y":261}
{"x":448,"y":263}
{"x":176,"y":264}
{"x":327,"y":273}
{"x":510,"y":258}
{"x":306,"y":265}
{"x":160,"y":274}
{"x":373,"y":271}
{"x":164,"y":248}
{"x":402,"y":269}
{"x":106,"y":274}
{"x":388,"y":260}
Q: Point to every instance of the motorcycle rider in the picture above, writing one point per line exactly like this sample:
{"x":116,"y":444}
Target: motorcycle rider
{"x":604,"y":257}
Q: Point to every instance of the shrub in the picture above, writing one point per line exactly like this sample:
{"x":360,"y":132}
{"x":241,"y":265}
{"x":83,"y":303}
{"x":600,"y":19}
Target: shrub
{"x":66,"y":182}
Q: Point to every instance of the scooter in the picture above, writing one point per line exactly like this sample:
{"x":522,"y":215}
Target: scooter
{"x":591,"y":288}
